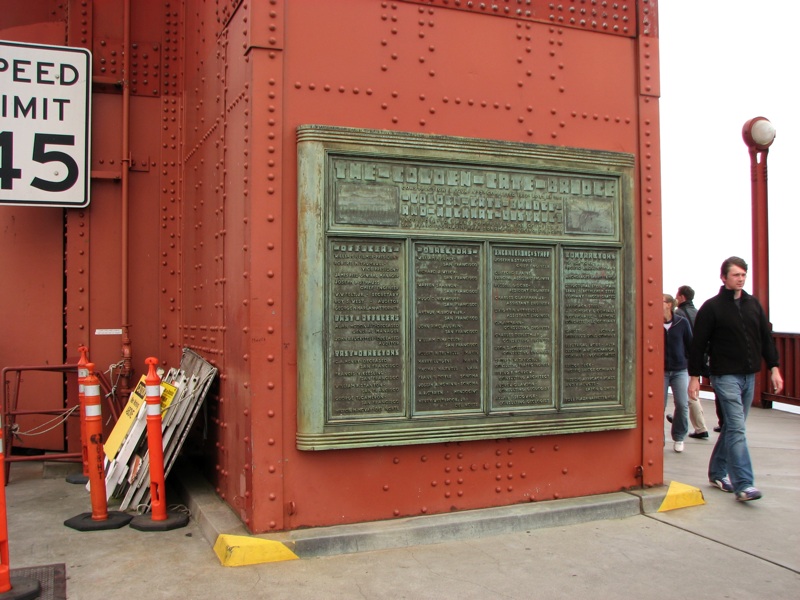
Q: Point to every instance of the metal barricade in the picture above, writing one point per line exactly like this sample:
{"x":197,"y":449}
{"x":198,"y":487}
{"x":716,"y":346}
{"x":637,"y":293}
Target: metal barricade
{"x":12,"y":382}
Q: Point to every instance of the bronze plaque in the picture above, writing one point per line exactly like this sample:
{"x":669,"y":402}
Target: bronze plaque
{"x":522,"y":327}
{"x":454,"y":289}
{"x":447,"y":331}
{"x":366,"y":297}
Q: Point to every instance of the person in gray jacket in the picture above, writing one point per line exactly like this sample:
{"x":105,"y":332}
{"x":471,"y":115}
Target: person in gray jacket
{"x":734,"y":329}
{"x":685,"y":300}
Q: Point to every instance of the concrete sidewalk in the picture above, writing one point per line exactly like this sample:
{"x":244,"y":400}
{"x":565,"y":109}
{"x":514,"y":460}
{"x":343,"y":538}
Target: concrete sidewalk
{"x":610,"y":546}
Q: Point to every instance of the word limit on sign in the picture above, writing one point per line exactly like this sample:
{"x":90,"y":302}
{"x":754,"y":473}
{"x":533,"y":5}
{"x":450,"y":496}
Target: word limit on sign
{"x":45,"y":116}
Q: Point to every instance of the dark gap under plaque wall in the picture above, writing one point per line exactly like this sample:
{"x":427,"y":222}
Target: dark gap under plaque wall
{"x":454,"y":289}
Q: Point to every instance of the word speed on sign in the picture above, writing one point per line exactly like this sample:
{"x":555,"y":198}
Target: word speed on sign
{"x":45,"y":103}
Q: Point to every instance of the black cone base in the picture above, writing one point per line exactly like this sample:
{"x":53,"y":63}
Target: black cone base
{"x":173,"y":521}
{"x":22,"y":588}
{"x":77,"y":478}
{"x":84,"y":521}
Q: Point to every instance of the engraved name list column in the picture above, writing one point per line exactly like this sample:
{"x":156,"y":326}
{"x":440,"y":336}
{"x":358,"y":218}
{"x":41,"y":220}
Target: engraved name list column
{"x":522,"y":330}
{"x":591,"y":327}
{"x":366,"y":329}
{"x":447,"y":332}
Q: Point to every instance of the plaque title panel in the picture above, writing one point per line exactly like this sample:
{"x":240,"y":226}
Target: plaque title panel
{"x":455,"y":289}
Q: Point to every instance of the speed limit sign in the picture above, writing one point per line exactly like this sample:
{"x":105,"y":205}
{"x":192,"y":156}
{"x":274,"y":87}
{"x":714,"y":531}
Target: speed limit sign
{"x":45,"y":106}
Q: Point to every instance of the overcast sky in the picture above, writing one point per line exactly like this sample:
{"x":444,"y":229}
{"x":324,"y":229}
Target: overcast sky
{"x":723,"y":63}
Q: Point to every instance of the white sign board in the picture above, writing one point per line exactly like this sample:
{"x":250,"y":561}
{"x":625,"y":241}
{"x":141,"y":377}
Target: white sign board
{"x":45,"y":106}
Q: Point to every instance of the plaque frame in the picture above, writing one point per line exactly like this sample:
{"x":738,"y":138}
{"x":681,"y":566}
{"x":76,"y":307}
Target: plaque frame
{"x":577,"y":204}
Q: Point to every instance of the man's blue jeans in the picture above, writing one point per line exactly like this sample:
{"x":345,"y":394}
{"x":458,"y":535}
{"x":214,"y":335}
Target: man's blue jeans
{"x":679,"y":381}
{"x":730,"y":455}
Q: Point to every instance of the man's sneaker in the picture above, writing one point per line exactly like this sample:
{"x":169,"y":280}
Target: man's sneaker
{"x":669,"y":418}
{"x":678,"y":446}
{"x":699,"y":435}
{"x":724,"y":484}
{"x":748,"y":494}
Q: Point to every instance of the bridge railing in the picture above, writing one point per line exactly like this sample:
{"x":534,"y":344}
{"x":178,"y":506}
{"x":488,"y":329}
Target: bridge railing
{"x":788,"y":345}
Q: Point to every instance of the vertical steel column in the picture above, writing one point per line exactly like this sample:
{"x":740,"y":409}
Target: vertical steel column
{"x":650,"y":354}
{"x":127,"y":368}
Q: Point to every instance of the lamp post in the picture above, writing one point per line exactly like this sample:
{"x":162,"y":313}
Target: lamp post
{"x":758,"y":134}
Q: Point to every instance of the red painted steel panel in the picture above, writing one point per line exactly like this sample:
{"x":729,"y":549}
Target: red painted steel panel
{"x":32,"y":264}
{"x":533,"y":83}
{"x":649,"y":232}
{"x":93,"y":288}
{"x":273,"y":287}
{"x":651,"y":336}
{"x":325,"y":81}
{"x":36,"y":17}
{"x":199,"y":73}
{"x":166,"y":169}
{"x":76,"y":293}
{"x":31,"y":261}
{"x":214,"y":109}
{"x":77,"y":248}
{"x":88,"y":297}
{"x":411,"y":69}
{"x":146,"y":253}
{"x":615,"y":18}
{"x":105,"y":23}
{"x":237,"y":248}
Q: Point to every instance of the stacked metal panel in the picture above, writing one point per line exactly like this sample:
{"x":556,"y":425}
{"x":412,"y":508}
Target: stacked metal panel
{"x":128,"y":474}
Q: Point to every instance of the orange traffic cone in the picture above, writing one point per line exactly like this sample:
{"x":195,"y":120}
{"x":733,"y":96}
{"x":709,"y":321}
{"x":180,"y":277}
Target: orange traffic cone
{"x":158,"y":519}
{"x":11,"y":586}
{"x":82,"y":477}
{"x":100,"y":518}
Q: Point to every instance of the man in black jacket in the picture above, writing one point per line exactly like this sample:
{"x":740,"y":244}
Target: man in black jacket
{"x":734,"y":328}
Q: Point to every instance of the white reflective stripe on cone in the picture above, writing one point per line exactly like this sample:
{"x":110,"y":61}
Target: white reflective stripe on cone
{"x":154,"y":390}
{"x":93,"y":410}
{"x":153,"y":409}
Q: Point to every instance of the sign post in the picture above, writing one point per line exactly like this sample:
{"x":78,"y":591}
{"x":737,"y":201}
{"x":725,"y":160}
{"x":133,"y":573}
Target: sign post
{"x":45,"y":107}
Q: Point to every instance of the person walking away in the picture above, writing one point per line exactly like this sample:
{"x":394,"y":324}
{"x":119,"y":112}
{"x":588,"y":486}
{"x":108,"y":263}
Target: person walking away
{"x":685,"y":301}
{"x":677,"y":341}
{"x":734,"y":328}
